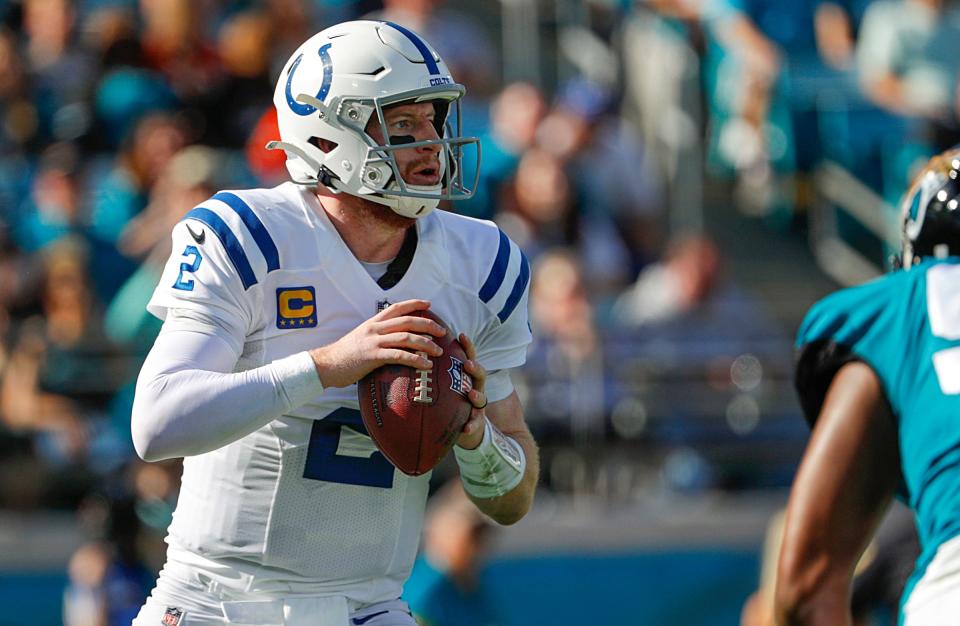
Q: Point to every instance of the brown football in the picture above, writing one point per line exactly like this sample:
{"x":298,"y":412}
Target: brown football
{"x":415,"y":416}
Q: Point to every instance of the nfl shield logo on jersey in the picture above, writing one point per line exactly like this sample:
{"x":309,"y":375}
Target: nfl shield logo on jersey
{"x":459,"y":380}
{"x":172,"y":616}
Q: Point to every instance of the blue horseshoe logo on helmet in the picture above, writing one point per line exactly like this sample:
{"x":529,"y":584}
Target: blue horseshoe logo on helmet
{"x":308,"y":109}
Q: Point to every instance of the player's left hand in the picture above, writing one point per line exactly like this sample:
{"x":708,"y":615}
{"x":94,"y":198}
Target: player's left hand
{"x":472,"y":433}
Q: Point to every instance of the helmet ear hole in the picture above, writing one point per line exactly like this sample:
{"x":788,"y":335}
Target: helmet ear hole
{"x":324,"y":145}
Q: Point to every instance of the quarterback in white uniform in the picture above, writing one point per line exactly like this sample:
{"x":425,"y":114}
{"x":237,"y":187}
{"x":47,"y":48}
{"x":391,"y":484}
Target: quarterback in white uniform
{"x":276,"y":301}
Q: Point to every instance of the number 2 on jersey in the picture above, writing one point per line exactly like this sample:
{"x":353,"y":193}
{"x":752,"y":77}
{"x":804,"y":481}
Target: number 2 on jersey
{"x":323,"y":462}
{"x":191,"y":267}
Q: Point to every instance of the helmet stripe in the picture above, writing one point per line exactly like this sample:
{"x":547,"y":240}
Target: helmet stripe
{"x":308,"y":109}
{"x":421,"y":46}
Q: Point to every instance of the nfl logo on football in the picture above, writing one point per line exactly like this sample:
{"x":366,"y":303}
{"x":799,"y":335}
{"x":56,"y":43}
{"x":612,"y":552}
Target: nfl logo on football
{"x":172,"y":616}
{"x":459,"y":381}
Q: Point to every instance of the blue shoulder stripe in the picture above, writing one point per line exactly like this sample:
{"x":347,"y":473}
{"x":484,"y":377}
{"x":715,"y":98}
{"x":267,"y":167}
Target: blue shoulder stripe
{"x":422,"y":47}
{"x":255,"y":226}
{"x":230,"y":243}
{"x":498,"y":272}
{"x":517,"y":292}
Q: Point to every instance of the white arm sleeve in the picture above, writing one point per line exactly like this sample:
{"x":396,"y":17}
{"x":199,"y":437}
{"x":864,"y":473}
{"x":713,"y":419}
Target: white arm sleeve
{"x":187,"y":401}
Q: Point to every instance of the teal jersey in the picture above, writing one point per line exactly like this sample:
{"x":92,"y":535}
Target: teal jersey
{"x":906,"y":327}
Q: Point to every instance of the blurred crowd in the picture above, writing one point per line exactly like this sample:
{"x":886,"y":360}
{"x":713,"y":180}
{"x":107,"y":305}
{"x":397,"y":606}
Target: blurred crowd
{"x":119,"y":116}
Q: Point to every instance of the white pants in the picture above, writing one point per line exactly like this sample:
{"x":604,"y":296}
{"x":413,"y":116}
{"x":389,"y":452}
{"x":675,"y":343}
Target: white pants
{"x":331,"y":611}
{"x":176,"y":602}
{"x":935,"y":601}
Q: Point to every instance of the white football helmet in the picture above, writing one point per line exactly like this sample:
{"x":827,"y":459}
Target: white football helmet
{"x":332,"y":86}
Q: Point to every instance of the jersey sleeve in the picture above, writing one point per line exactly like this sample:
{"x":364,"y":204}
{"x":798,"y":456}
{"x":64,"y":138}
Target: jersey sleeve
{"x":214,"y":268}
{"x":817,"y":364}
{"x":503,"y":340}
{"x":857,"y":324}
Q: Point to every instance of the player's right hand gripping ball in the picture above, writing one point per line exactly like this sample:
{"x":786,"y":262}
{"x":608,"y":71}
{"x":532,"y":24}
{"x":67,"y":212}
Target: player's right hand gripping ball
{"x":415,"y":416}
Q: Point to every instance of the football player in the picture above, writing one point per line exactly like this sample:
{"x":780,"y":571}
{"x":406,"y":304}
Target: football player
{"x":276,"y":301}
{"x":879,"y":377}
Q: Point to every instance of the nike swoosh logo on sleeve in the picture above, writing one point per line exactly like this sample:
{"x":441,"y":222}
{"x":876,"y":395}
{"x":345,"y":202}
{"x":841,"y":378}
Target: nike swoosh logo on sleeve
{"x":198,"y":238}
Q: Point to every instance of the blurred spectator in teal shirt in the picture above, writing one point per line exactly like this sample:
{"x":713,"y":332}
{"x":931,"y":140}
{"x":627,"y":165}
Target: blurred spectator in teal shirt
{"x":446,"y":588}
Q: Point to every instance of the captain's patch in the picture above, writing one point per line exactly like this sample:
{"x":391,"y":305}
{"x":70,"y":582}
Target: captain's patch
{"x":296,"y":307}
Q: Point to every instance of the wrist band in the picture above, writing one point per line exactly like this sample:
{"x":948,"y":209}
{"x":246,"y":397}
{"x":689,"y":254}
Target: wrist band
{"x":494,"y":467}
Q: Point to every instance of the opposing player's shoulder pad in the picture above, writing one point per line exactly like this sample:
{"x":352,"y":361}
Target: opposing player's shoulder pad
{"x":232,"y":217}
{"x":847,"y":314}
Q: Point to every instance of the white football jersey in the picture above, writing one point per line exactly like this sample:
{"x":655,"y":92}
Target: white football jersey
{"x":307,"y":504}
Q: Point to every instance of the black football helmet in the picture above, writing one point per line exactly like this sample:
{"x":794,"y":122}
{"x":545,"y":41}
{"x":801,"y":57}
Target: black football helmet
{"x":929,"y":211}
